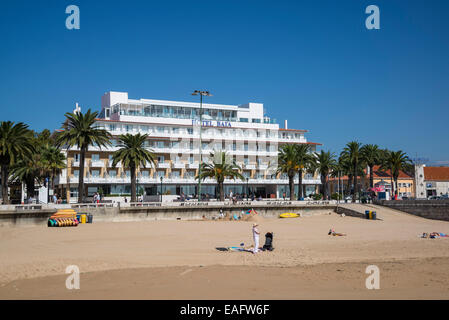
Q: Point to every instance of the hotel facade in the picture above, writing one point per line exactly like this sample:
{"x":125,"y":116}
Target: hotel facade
{"x":173,"y":127}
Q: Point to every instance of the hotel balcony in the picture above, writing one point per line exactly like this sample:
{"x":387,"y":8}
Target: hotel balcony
{"x":178,"y":165}
{"x":192,"y":166}
{"x":163,"y":165}
{"x":77,"y":163}
{"x":97,"y":164}
{"x":262,"y":166}
{"x":250,"y":166}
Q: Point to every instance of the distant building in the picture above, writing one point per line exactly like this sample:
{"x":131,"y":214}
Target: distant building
{"x":431,"y":181}
{"x":382,"y":182}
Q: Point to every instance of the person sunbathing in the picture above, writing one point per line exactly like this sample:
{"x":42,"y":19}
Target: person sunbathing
{"x":434,"y":235}
{"x":333,"y":233}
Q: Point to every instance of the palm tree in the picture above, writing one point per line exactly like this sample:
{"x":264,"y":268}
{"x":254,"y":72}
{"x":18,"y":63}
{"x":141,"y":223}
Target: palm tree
{"x":54,"y":161}
{"x":29,"y":170}
{"x":80,"y":130}
{"x":132,"y":154}
{"x":221,"y":167}
{"x":352,"y":152}
{"x":304,"y":160}
{"x":15,"y":143}
{"x":397,"y":162}
{"x":370,"y":155}
{"x":287,"y":163}
{"x":324,"y":162}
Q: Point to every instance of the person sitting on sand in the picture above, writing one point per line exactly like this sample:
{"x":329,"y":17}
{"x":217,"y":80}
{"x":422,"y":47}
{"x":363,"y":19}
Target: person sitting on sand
{"x":268,"y":242}
{"x":332,"y":232}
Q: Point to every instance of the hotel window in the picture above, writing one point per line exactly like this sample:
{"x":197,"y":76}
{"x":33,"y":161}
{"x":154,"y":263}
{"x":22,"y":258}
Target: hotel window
{"x":160,"y":159}
{"x":96,"y":157}
{"x":76,"y":173}
{"x":160,"y":129}
{"x":161,"y":174}
{"x":175,"y":174}
{"x":160,"y":144}
{"x":145,"y":174}
{"x":190,"y":130}
{"x":245,"y":161}
{"x":190,"y":159}
{"x":175,"y":144}
{"x":129,"y":128}
{"x":77,"y":157}
{"x":256,"y":120}
{"x":191,"y":145}
{"x":112,"y":127}
{"x":113,"y":173}
{"x":245,"y":147}
{"x":243,"y":119}
{"x":175,"y":130}
{"x":96,"y":173}
{"x":144,"y":128}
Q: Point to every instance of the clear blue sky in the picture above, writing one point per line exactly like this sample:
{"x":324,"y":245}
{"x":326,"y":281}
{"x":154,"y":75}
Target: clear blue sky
{"x":311,"y":62}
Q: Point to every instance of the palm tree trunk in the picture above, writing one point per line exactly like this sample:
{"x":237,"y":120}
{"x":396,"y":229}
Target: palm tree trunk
{"x":5,"y":184}
{"x":300,"y":190}
{"x":220,"y":186}
{"x":355,"y":186}
{"x":30,"y":187}
{"x":325,"y":188}
{"x":291,"y":185}
{"x":81,"y":176}
{"x":395,"y":186}
{"x":371,"y":177}
{"x":349,"y":184}
{"x":133,"y":183}
{"x":392,"y":186}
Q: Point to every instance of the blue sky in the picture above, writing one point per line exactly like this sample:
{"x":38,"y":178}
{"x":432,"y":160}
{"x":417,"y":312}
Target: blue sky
{"x":311,"y":62}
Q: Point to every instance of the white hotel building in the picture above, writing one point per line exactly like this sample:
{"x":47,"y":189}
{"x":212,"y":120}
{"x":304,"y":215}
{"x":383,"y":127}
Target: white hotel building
{"x":244,"y":131}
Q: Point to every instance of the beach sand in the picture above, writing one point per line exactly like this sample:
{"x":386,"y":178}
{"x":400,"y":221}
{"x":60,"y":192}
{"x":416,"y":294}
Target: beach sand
{"x":180,"y":260}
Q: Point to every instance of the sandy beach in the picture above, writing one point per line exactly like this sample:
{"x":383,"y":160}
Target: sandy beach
{"x":180,"y":260}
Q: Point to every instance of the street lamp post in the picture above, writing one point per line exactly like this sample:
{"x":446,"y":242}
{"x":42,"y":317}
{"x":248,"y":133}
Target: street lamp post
{"x":201,"y":94}
{"x":247,"y":189}
{"x":161,"y":188}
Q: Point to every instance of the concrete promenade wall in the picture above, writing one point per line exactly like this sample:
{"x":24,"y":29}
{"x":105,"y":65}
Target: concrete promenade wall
{"x":141,"y":212}
{"x":350,"y":211}
{"x":430,"y":209}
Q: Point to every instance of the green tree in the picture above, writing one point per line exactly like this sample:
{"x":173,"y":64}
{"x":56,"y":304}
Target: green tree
{"x":53,"y":161}
{"x":132,"y":154}
{"x":353,"y":155}
{"x":15,"y":144}
{"x":288,"y":164}
{"x":370,"y":155}
{"x":396,"y":162}
{"x":304,"y":160}
{"x":221,"y":167}
{"x":81,"y":131}
{"x":324,"y":162}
